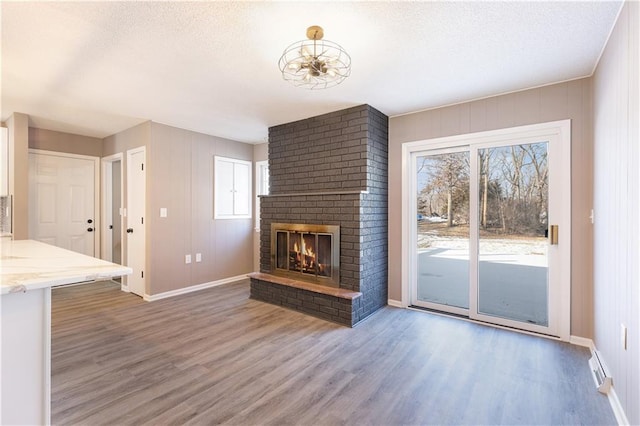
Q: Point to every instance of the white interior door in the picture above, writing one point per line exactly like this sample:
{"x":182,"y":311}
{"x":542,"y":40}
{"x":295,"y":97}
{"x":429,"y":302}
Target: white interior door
{"x":136,"y":194}
{"x":485,"y":210}
{"x":62,"y":201}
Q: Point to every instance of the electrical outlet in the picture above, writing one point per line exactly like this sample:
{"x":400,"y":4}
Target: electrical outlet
{"x":187,"y":258}
{"x":623,"y":336}
{"x":163,"y":212}
{"x":198,"y":257}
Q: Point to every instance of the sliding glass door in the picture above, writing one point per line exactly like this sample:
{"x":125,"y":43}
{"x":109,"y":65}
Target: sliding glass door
{"x":442,"y":229}
{"x":513,"y":264}
{"x":484,"y":229}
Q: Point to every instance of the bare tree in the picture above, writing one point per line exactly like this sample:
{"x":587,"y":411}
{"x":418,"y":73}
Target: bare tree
{"x":447,"y":184}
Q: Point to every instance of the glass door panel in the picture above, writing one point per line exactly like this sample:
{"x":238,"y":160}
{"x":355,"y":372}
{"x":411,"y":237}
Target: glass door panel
{"x":512,"y":222}
{"x":442,"y":183}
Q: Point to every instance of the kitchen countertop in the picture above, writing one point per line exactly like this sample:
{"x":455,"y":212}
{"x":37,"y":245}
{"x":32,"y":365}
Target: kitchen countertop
{"x":28,"y":265}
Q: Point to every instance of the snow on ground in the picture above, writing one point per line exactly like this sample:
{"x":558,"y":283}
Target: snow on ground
{"x":512,"y":275}
{"x":525,"y":251}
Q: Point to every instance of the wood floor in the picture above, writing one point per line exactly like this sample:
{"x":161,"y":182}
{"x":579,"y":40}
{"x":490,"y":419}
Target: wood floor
{"x":215,"y":356}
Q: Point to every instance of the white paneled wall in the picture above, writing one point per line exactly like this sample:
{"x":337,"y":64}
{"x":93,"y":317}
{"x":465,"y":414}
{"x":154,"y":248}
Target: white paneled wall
{"x":616,"y":199}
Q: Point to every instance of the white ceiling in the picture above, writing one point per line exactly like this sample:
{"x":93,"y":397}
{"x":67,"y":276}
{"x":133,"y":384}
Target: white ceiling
{"x":97,"y":68}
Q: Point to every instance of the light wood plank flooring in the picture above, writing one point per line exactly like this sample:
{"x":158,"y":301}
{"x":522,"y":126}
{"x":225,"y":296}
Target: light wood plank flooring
{"x":215,"y":356}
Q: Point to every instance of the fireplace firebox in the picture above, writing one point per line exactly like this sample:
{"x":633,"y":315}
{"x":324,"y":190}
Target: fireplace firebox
{"x":306,"y":252}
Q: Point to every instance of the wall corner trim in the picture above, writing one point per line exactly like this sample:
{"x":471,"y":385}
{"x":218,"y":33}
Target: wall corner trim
{"x":190,"y":289}
{"x":582,"y":341}
{"x":395,"y":303}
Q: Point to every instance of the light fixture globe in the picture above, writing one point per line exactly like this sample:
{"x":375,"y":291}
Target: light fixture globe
{"x":315,"y":63}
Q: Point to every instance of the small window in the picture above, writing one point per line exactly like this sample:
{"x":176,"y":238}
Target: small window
{"x":232,"y":188}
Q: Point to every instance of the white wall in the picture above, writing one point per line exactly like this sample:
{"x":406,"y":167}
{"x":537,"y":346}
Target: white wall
{"x":616,"y":196}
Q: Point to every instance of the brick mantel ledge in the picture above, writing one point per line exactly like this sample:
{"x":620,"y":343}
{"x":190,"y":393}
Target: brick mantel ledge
{"x":315,"y":288}
{"x":313,"y":194}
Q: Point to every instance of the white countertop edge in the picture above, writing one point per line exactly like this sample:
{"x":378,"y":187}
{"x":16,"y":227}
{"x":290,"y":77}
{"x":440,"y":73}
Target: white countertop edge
{"x":40,"y":283}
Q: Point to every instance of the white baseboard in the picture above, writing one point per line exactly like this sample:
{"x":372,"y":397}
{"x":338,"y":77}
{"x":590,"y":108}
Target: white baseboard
{"x":395,"y":303}
{"x":616,"y":406}
{"x":582,"y":341}
{"x":185,"y":290}
{"x":618,"y":411}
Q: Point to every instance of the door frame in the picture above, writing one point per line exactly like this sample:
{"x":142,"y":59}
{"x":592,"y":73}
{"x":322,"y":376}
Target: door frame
{"x":456,"y":310}
{"x":107,"y":195}
{"x":96,"y":190}
{"x":555,"y":129}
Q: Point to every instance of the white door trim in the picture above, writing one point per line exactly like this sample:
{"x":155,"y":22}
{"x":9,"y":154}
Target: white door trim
{"x":106,"y":184}
{"x":556,"y":129}
{"x":96,"y":183}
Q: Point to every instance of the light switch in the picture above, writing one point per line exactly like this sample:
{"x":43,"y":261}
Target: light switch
{"x":187,"y":258}
{"x":198,"y":257}
{"x":163,"y":212}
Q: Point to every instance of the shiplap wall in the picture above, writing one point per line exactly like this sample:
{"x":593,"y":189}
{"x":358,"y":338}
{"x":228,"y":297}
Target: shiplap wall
{"x":550,"y":103}
{"x":181,"y":178}
{"x":616,"y":196}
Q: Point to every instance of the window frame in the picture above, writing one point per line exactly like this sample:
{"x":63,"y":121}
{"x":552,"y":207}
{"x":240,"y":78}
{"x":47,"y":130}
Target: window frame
{"x":217,"y":214}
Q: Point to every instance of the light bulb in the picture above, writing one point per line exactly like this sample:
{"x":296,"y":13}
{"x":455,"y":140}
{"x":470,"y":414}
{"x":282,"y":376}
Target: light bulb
{"x":305,"y":52}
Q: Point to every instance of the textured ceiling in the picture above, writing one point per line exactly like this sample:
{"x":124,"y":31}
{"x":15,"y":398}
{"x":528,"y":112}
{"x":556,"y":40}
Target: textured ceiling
{"x":97,"y":68}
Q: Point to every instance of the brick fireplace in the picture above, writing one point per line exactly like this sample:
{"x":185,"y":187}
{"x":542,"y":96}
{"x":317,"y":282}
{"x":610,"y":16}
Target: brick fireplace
{"x":329,"y":170}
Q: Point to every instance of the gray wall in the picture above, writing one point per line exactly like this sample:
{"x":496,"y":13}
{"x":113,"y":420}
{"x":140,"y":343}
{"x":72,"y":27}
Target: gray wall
{"x":179,"y":166}
{"x":617,"y":192}
{"x":50,"y":140}
{"x":18,"y":127}
{"x":133,"y":137}
{"x":556,"y":102}
{"x":181,"y":178}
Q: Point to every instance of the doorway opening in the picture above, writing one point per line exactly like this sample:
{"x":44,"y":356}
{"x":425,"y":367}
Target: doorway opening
{"x":112,"y":201}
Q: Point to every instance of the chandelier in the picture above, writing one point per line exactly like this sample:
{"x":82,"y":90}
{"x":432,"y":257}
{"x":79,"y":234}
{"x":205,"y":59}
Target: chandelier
{"x":315,"y":63}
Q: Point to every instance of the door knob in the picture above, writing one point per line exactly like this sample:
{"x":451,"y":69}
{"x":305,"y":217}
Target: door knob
{"x":110,"y":226}
{"x":89,"y":221}
{"x":129,"y":230}
{"x":90,"y":229}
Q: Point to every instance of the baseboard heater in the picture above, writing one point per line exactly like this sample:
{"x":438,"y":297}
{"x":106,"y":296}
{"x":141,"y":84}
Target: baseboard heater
{"x":600,"y":372}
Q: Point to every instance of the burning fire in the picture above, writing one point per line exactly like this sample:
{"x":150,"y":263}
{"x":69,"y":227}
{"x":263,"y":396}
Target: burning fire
{"x":309,"y":257}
